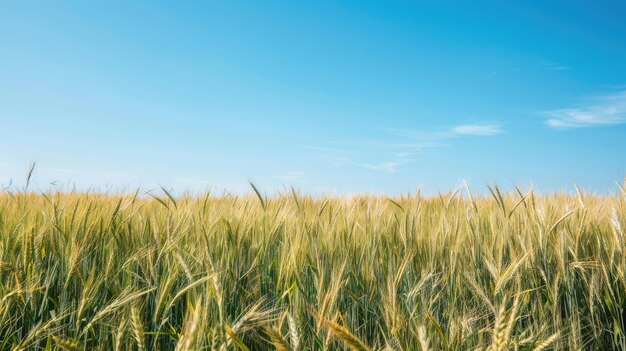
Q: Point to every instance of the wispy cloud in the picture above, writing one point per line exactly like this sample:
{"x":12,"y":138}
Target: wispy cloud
{"x":601,"y":110}
{"x":190,"y":181}
{"x":559,"y":67}
{"x":402,"y":148}
{"x":61,"y":170}
{"x":554,"y":66}
{"x":72,"y":171}
{"x":390,"y":166}
{"x":540,"y":65}
{"x":388,"y":162}
{"x":292,"y":176}
{"x":477,"y":129}
{"x":435,"y":138}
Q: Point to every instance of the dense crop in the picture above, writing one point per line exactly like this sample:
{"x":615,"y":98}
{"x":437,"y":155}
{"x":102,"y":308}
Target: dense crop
{"x":290,"y":272}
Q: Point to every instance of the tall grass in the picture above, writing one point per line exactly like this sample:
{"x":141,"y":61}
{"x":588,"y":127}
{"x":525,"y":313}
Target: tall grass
{"x":507,"y":271}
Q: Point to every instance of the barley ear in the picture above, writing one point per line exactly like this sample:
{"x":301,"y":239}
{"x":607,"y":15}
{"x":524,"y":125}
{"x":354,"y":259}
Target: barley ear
{"x":277,"y":339}
{"x":341,"y":333}
{"x":423,"y":339}
{"x":544,"y":344}
{"x":121,"y":334}
{"x":137,"y":327}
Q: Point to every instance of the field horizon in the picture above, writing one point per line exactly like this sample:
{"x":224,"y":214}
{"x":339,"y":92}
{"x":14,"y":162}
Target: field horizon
{"x":462,"y":188}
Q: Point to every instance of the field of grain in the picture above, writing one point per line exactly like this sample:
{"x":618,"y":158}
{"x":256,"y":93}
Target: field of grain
{"x":514,"y":271}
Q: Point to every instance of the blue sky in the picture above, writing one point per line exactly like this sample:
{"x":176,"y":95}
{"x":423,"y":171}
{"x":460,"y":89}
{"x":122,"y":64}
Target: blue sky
{"x":327,"y":96}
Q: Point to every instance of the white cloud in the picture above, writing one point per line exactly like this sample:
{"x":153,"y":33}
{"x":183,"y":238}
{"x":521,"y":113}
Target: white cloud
{"x":400,"y":151}
{"x":554,"y":66}
{"x":292,"y":176}
{"x":477,"y":129}
{"x":388,"y":166}
{"x":61,"y":170}
{"x":366,"y":159}
{"x":195,"y":182}
{"x":604,"y":110}
{"x":559,"y":67}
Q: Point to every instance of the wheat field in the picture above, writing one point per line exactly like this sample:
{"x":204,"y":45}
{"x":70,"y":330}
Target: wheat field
{"x":501,"y":271}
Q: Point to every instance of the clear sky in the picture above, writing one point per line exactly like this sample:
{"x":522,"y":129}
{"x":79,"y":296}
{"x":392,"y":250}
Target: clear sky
{"x":327,"y":96}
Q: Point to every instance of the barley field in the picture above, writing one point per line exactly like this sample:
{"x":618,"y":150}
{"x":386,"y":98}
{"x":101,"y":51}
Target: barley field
{"x":501,"y":271}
